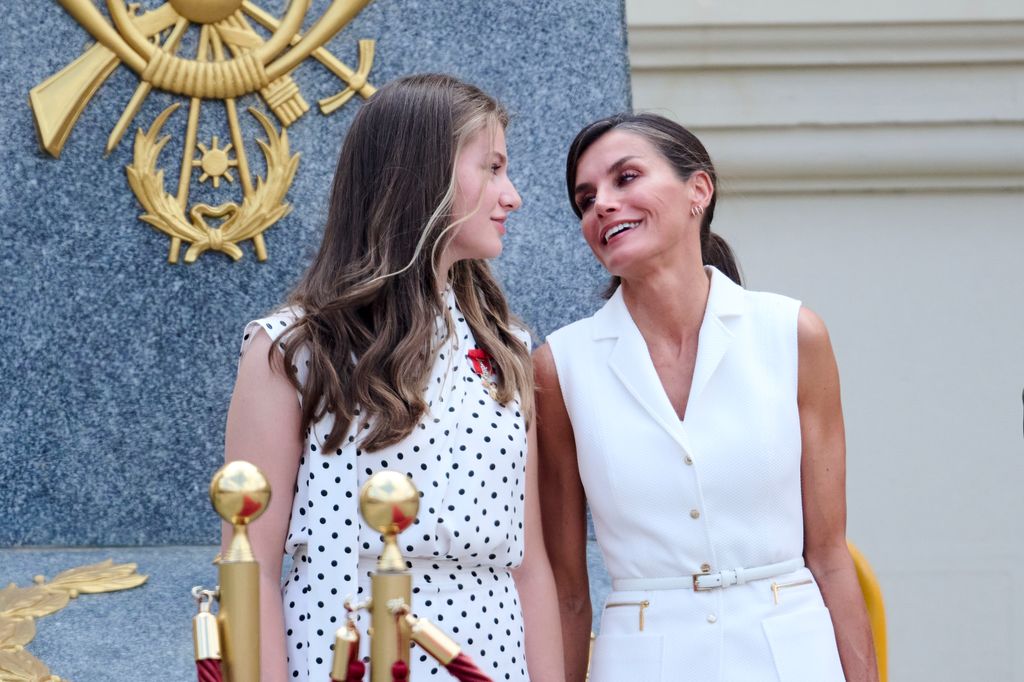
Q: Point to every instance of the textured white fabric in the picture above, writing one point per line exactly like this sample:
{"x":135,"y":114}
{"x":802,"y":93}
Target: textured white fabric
{"x":716,"y":491}
{"x":467,"y":457}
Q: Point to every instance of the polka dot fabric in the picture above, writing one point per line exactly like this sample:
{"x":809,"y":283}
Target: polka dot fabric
{"x":467,"y":457}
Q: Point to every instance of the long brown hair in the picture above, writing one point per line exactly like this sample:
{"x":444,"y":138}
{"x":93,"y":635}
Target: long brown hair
{"x":685,"y":154}
{"x":370,"y":300}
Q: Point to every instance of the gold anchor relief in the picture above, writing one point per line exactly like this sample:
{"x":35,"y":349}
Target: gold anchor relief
{"x":232,"y":59}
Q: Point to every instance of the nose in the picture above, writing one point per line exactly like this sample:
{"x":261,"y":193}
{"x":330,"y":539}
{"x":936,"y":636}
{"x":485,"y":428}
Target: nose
{"x":510,"y":199}
{"x":605,"y":203}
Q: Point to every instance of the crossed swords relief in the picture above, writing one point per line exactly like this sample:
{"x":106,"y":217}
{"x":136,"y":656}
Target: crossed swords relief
{"x":232,"y":59}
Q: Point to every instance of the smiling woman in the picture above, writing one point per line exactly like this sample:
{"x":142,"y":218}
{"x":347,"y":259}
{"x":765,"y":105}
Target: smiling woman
{"x":669,"y":158}
{"x":702,"y":424}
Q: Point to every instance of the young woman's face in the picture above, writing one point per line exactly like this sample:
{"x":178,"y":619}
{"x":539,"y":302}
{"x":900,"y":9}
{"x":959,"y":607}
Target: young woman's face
{"x":484,"y":196}
{"x":634,"y":206}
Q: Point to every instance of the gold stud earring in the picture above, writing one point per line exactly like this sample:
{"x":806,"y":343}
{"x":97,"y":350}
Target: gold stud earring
{"x":696,"y":210}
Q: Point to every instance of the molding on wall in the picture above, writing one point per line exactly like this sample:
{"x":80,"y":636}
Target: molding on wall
{"x":844,"y":107}
{"x":825,"y":45}
{"x":956,"y":157}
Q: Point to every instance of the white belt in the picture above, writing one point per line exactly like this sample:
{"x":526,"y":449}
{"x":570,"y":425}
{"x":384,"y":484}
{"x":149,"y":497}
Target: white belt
{"x":701,"y":582}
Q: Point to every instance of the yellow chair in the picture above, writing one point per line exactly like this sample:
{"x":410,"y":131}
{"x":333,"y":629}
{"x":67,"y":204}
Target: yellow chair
{"x":876,"y":608}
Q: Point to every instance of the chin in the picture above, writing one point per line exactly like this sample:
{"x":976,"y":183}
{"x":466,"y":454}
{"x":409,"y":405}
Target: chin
{"x":616,"y":266}
{"x":488,"y":253}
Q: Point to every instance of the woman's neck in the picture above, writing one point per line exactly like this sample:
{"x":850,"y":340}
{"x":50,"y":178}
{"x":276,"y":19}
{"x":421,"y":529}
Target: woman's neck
{"x":669,"y":304}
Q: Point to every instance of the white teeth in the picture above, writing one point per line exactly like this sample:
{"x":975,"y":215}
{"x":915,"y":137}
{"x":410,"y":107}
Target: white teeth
{"x":622,"y":227}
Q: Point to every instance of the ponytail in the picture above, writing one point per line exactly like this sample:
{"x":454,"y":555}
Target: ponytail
{"x":715,"y":251}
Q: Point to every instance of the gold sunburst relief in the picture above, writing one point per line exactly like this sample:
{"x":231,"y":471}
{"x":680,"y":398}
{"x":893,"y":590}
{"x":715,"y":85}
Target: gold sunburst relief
{"x":232,"y":59}
{"x":215,"y":162}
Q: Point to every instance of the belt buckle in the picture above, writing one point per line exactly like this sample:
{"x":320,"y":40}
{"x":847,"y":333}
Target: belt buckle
{"x":697,"y":587}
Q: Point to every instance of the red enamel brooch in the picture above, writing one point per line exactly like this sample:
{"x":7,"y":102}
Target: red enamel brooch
{"x":483,"y":366}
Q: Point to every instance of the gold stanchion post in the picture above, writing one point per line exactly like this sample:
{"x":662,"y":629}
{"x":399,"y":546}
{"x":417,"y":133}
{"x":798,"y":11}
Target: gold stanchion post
{"x":240,"y":493}
{"x":389,"y":503}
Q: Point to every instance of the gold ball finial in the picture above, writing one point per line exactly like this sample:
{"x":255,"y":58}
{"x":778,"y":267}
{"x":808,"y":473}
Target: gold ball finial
{"x":239,"y":492}
{"x":389,"y":502}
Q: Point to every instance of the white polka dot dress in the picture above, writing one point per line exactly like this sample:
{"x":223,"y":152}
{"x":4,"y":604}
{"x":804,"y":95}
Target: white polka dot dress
{"x":467,"y":457}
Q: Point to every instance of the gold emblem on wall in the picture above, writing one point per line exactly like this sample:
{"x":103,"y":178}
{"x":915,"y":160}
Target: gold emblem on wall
{"x":232,"y":59}
{"x":19,"y":606}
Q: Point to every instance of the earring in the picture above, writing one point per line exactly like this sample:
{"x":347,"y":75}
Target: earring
{"x":696,"y":210}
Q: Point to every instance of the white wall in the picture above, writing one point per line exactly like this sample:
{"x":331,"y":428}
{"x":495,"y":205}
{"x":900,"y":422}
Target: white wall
{"x":873,"y":165}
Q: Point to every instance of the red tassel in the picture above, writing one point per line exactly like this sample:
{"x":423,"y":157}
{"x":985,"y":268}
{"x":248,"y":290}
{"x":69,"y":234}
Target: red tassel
{"x":356,"y":670}
{"x":400,"y":671}
{"x":463,"y":669}
{"x":208,"y":670}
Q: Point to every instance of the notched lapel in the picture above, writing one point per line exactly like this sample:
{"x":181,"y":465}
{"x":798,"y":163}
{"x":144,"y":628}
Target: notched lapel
{"x":630,"y":362}
{"x":725,"y":304}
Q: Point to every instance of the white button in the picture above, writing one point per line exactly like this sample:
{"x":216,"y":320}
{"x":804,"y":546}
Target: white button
{"x":688,"y":460}
{"x":694,"y":514}
{"x":712,"y":618}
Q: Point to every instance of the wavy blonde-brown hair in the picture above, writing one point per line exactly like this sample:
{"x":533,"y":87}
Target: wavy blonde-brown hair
{"x":371,"y":297}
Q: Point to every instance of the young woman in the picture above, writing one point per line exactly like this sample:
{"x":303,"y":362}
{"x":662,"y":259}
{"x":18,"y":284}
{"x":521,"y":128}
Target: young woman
{"x":702,"y":424}
{"x":397,"y":351}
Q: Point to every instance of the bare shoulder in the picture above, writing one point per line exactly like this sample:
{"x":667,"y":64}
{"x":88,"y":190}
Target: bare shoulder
{"x":813,"y":340}
{"x":818,"y":371}
{"x":811,"y":331}
{"x":259,"y":365}
{"x":545,"y":372}
{"x":552,"y":415}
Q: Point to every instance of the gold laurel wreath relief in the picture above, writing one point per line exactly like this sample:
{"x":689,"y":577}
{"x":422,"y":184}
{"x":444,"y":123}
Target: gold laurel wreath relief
{"x":258,"y":211}
{"x":232,"y":59}
{"x":20,"y":606}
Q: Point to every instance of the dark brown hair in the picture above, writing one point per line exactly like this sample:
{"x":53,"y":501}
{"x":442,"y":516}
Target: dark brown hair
{"x":370,"y":301}
{"x":685,"y":154}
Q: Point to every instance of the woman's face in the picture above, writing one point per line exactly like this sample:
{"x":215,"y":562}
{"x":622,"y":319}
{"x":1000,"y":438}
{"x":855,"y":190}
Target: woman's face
{"x":484,"y":196}
{"x":634,"y":206}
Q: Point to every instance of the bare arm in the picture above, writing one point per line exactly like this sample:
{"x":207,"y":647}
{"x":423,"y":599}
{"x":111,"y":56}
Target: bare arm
{"x":263,"y":428}
{"x":563,"y":511}
{"x":536,"y":586}
{"x":823,"y":481}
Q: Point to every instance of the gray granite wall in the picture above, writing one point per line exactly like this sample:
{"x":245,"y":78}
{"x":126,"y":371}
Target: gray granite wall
{"x":117,"y":367}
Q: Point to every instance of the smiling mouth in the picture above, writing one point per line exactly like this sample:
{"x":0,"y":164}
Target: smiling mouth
{"x":618,"y":229}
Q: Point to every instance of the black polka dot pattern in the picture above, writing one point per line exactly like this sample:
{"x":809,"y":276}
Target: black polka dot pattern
{"x":467,"y":457}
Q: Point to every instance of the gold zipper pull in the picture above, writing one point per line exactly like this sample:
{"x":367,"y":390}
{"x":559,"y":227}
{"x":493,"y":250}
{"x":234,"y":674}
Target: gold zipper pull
{"x":642,"y":604}
{"x":778,"y":586}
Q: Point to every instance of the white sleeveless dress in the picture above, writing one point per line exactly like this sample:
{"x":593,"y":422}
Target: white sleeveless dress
{"x":718,"y":491}
{"x":467,"y":457}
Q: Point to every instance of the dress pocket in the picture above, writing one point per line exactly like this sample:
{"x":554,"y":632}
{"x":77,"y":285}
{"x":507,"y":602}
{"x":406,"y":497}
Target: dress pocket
{"x":626,"y":657}
{"x":803,"y":646}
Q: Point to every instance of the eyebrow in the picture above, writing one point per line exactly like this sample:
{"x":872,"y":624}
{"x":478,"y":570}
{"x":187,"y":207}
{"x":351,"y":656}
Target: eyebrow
{"x":501,"y":157}
{"x":585,"y":186}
